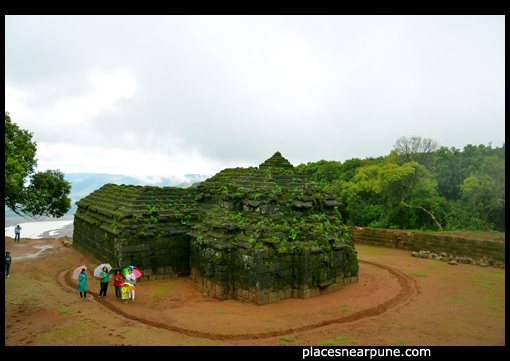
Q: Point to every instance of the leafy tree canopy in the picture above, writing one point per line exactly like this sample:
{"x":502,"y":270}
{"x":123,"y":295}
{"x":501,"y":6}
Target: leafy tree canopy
{"x":419,"y":186}
{"x":46,"y":193}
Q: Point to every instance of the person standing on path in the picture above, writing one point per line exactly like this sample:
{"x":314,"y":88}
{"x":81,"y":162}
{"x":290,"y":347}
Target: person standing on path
{"x":131,"y":278}
{"x":17,"y":230}
{"x":82,"y":286}
{"x":117,"y":283}
{"x":125,"y":293}
{"x":7,"y":263}
{"x":104,"y":282}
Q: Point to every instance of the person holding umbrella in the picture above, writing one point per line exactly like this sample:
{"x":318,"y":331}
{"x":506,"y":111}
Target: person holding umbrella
{"x":82,"y":286}
{"x":131,"y":278}
{"x":125,"y":291}
{"x":117,"y":283}
{"x":103,"y":276}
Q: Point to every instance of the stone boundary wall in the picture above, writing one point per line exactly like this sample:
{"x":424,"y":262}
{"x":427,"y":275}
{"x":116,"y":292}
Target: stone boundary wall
{"x":420,"y":241}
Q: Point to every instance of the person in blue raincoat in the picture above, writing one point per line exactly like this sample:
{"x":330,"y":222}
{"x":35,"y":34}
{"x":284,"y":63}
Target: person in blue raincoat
{"x":82,"y":286}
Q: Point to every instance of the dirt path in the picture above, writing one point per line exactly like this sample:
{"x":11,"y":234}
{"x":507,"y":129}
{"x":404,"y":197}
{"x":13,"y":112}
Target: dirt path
{"x":407,"y":291}
{"x":399,"y":300}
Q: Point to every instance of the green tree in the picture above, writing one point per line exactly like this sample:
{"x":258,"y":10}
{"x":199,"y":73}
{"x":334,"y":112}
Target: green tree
{"x":484,"y":190}
{"x":479,"y":193}
{"x":46,"y":193}
{"x":404,"y":185}
{"x":407,"y":185}
{"x":416,"y":149}
{"x":449,"y":173}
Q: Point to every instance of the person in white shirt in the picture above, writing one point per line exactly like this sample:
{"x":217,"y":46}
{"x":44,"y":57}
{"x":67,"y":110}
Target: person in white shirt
{"x":130,"y":278}
{"x":17,"y":230}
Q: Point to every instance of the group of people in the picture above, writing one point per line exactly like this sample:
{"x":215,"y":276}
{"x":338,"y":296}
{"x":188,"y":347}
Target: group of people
{"x":122,"y":291}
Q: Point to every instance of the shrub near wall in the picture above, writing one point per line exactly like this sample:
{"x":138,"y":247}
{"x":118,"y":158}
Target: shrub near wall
{"x":418,"y":241}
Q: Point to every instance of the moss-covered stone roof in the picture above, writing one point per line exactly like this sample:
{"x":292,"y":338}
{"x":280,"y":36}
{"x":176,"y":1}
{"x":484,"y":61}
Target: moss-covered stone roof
{"x":273,"y":205}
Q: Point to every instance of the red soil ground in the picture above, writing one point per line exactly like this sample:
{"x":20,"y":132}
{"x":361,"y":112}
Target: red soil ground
{"x":398,"y":301}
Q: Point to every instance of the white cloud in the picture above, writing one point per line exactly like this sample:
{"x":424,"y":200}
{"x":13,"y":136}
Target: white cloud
{"x":144,"y":165}
{"x":108,"y":88}
{"x":195,"y":93}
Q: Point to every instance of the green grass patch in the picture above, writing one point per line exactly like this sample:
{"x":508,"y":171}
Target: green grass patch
{"x":485,"y":286}
{"x":68,"y":312}
{"x":326,"y":312}
{"x":498,"y":276}
{"x":328,"y":343}
{"x":478,"y":277}
{"x":392,"y":276}
{"x":459,"y":298}
{"x":400,"y":341}
{"x":225,"y":312}
{"x":402,"y":328}
{"x":418,"y":274}
{"x":341,"y":338}
{"x":125,"y":331}
{"x":288,"y":339}
{"x":160,"y":331}
{"x":345,"y":310}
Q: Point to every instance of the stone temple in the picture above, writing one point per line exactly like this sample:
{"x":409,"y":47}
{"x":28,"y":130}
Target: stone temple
{"x":252,"y":234}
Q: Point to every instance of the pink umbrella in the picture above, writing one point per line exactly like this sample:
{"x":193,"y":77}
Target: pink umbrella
{"x":77,"y":272}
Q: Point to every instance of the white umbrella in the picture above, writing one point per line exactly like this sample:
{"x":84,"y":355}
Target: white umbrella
{"x":99,"y":269}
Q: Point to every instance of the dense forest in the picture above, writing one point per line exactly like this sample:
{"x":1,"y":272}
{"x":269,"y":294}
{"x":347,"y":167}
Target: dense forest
{"x":419,"y":186}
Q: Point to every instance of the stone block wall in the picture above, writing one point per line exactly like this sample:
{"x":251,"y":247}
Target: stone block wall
{"x":264,"y":277}
{"x":419,"y":241}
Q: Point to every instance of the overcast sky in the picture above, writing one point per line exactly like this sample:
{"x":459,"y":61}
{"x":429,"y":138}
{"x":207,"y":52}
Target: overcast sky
{"x":160,"y":96}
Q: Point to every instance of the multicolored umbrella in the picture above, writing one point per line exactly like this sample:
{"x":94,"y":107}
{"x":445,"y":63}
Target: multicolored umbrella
{"x":113,"y":272}
{"x":131,"y":287}
{"x":99,"y":269}
{"x":135,"y":270}
{"x":76,"y":272}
